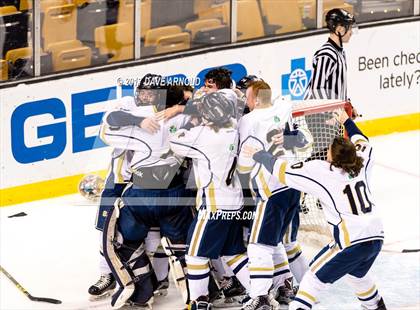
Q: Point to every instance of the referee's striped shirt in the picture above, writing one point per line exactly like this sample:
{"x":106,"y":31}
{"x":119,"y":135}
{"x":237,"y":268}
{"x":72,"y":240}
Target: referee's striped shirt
{"x":329,"y":77}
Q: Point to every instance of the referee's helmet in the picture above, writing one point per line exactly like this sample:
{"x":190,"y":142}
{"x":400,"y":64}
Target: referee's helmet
{"x":339,"y":17}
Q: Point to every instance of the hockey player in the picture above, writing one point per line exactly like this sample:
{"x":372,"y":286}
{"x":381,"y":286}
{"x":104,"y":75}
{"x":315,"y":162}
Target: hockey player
{"x":216,"y":80}
{"x":276,"y":204}
{"x":214,"y":233}
{"x":342,"y":183}
{"x":155,"y":198}
{"x":117,"y":178}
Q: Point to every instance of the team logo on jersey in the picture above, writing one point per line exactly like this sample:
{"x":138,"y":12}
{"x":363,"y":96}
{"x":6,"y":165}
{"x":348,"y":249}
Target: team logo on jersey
{"x":231,"y":147}
{"x":172,"y":129}
{"x":276,"y":119}
{"x":295,"y":82}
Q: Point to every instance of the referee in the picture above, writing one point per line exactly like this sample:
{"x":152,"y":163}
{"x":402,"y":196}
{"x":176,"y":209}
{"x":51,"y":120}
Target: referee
{"x":329,"y":77}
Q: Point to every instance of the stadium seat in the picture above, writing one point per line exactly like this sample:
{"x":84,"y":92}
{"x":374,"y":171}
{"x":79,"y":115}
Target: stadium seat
{"x":68,"y":55}
{"x":126,"y":11}
{"x":249,"y":20}
{"x":197,"y":25}
{"x":16,"y":57}
{"x":172,"y":43}
{"x":25,"y":5}
{"x":14,"y":31}
{"x":173,"y":12}
{"x":146,"y":17}
{"x":4,"y":10}
{"x":284,"y":14}
{"x":59,"y":24}
{"x":212,"y":35}
{"x":126,"y":14}
{"x":206,"y":10}
{"x":152,"y":35}
{"x":46,"y":4}
{"x":90,"y":16}
{"x":116,"y":40}
{"x":4,"y":69}
{"x":13,"y":55}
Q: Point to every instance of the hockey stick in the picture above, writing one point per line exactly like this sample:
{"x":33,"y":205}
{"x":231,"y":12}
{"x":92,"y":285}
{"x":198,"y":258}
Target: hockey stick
{"x":22,"y":289}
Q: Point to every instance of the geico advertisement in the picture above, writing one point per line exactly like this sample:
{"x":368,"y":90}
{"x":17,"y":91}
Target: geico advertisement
{"x":50,"y":129}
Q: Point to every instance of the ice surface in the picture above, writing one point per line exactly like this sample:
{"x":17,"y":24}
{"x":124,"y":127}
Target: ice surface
{"x":53,"y":251}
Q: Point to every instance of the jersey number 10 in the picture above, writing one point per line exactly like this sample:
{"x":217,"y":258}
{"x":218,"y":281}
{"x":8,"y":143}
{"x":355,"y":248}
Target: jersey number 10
{"x":365,"y":204}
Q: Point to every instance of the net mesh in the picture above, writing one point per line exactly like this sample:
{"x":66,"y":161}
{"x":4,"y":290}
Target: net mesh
{"x":316,"y":120}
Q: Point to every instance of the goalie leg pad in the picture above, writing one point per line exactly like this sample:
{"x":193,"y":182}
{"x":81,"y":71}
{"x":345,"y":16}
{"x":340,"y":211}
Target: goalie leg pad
{"x":176,"y":253}
{"x":138,"y":264}
{"x":121,"y":274}
{"x":129,"y":264}
{"x":108,"y":197}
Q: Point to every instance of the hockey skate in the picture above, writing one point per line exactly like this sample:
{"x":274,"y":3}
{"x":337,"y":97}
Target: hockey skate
{"x":162,"y":289}
{"x":274,"y":303}
{"x":129,"y":305}
{"x":259,"y":303}
{"x":285,"y":294}
{"x":232,"y":287}
{"x":233,"y":294}
{"x":201,"y":303}
{"x":103,"y":287}
{"x":380,"y":306}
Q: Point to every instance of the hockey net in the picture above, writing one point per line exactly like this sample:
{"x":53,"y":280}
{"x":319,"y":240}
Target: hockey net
{"x":316,"y":119}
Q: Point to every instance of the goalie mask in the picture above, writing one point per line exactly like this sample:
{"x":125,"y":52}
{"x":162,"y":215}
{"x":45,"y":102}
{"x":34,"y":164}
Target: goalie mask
{"x":91,"y":186}
{"x":151,"y":91}
{"x":217,"y":108}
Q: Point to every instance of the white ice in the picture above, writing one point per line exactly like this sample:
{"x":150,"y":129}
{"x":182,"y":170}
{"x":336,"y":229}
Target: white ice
{"x":53,"y":251}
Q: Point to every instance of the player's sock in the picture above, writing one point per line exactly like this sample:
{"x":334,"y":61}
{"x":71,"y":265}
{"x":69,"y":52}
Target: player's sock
{"x":218,"y":269}
{"x":160,"y":263}
{"x":366,"y":291}
{"x":297,"y":261}
{"x":281,"y":266}
{"x":261,"y":269}
{"x":309,"y":290}
{"x":103,"y":265}
{"x":228,"y":271}
{"x":238,"y":265}
{"x":198,"y":276}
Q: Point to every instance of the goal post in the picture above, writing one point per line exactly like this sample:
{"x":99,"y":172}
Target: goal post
{"x":316,"y":118}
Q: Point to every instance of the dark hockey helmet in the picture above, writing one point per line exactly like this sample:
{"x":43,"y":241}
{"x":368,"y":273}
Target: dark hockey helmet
{"x":246,"y":81}
{"x":216,"y":108}
{"x":151,"y":91}
{"x":339,"y":17}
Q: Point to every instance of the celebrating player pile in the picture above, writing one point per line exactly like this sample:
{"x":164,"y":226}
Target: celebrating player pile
{"x":189,"y":168}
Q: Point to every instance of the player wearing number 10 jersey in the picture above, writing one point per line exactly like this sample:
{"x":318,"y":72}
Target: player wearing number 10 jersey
{"x":342,"y":185}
